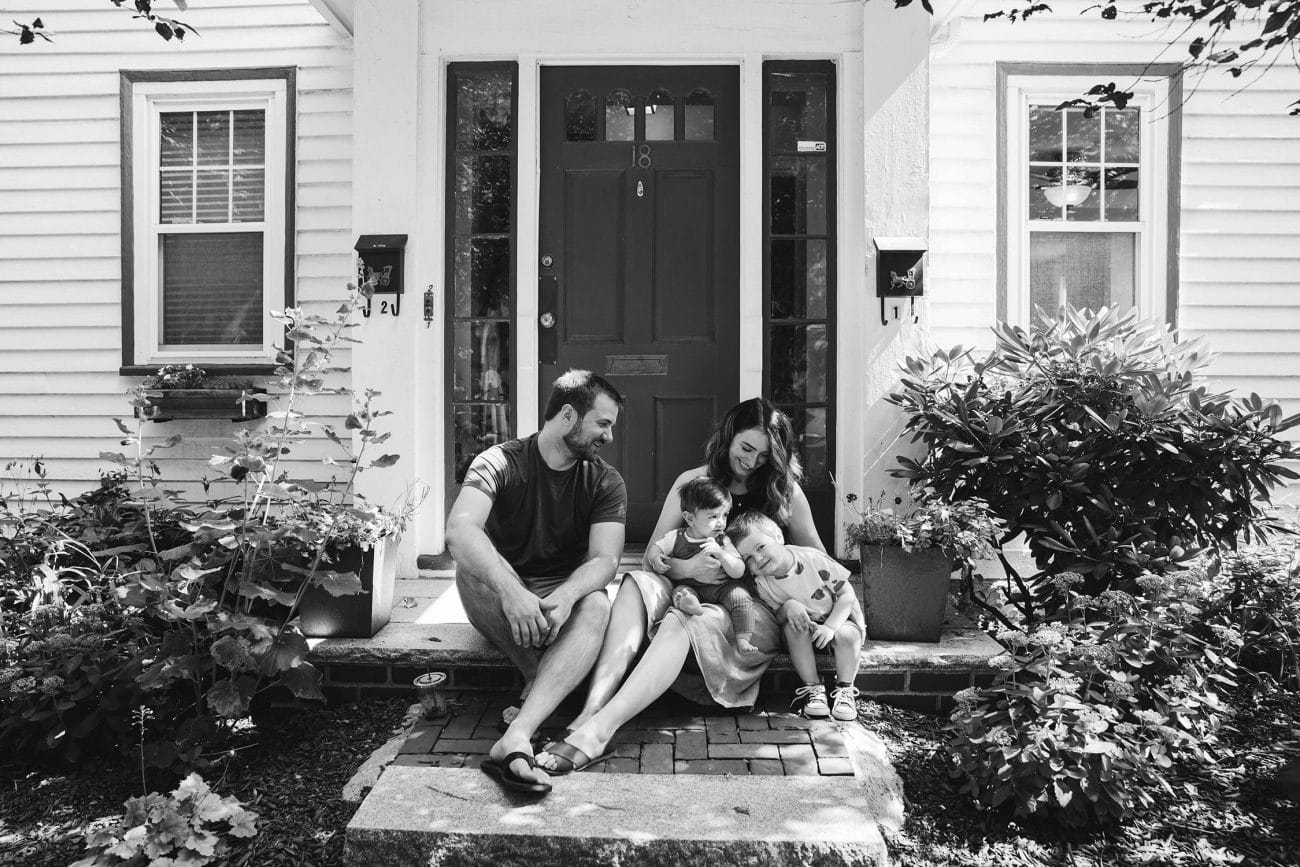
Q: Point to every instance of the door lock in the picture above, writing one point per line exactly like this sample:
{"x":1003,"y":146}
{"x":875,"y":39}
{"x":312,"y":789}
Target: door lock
{"x":548,"y":260}
{"x":546,"y":320}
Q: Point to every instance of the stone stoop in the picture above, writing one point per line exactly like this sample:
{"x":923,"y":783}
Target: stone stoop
{"x":459,"y":816}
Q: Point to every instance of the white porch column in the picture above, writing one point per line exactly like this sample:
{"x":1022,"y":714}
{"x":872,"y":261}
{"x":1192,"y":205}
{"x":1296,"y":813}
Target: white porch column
{"x":384,"y":201}
{"x":895,"y":193}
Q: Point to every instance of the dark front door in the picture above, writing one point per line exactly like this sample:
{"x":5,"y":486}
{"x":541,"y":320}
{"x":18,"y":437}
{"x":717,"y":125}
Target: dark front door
{"x":638,"y":275}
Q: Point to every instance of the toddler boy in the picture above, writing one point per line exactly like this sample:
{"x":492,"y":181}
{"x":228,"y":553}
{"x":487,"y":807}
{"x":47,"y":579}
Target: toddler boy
{"x":705,"y":504}
{"x":813,"y":601}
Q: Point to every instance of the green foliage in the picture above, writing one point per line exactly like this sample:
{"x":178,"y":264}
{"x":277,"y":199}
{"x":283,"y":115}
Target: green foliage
{"x":1094,"y":436}
{"x":210,"y":589}
{"x":1090,"y":715}
{"x":190,"y":826}
{"x":964,"y":528}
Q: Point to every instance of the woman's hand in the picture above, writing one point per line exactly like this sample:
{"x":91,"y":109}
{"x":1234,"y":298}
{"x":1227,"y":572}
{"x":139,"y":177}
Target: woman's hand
{"x":796,"y":614}
{"x":704,"y":568}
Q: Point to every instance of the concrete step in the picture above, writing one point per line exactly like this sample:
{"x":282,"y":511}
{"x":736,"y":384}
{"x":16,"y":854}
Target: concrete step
{"x":458,"y":816}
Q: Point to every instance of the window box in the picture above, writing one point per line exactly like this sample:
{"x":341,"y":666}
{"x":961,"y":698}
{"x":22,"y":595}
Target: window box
{"x":191,"y":403}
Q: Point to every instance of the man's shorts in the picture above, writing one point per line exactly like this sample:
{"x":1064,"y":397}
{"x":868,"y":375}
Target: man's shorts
{"x":543,"y":586}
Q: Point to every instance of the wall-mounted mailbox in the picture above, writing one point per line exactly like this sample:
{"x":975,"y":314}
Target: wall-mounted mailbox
{"x":379,"y":259}
{"x":899,"y":272}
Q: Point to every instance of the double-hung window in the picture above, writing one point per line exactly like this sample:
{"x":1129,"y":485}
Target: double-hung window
{"x":1087,"y":198}
{"x":207,"y":216}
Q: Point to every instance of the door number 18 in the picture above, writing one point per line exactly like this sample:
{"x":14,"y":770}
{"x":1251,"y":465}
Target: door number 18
{"x":641,"y":157}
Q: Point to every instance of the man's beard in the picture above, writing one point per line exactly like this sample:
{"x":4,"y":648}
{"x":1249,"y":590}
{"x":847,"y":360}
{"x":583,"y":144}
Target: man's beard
{"x":583,"y":450}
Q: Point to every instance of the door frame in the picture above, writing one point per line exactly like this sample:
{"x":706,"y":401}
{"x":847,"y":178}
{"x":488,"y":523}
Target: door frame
{"x":851,"y":305}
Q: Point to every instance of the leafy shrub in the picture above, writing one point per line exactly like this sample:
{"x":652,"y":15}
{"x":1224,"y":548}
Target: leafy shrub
{"x":965,"y":528}
{"x":1094,"y":436}
{"x":1090,"y":714}
{"x":189,"y":827}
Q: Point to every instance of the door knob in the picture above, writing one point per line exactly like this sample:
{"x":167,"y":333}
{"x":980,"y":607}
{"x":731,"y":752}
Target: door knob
{"x":546,"y":320}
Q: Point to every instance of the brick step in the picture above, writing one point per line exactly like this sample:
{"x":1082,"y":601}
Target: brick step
{"x":459,"y":816}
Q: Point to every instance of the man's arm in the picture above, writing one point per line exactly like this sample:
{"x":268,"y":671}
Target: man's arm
{"x":604,"y":548}
{"x":474,"y":552}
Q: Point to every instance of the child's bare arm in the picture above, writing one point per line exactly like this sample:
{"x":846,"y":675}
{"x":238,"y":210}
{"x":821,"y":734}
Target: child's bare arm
{"x":846,"y":602}
{"x":732,"y":564}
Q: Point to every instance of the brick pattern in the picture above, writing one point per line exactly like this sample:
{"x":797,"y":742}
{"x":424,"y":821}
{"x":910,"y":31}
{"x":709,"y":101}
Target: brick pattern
{"x":914,"y":689}
{"x":670,"y":737}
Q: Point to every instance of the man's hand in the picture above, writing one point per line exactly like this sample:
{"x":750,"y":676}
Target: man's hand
{"x":556,"y":608}
{"x":822,"y":635}
{"x":523,"y":611}
{"x":796,"y":614}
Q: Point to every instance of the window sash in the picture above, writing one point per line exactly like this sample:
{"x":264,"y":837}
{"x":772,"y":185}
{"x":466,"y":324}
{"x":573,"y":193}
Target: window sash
{"x":1150,"y":230}
{"x":149,"y":101}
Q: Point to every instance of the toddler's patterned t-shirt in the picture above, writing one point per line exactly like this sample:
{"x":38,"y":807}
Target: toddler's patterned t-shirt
{"x":814,"y":580}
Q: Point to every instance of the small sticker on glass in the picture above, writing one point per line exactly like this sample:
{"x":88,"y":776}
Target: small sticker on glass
{"x":812,"y":147}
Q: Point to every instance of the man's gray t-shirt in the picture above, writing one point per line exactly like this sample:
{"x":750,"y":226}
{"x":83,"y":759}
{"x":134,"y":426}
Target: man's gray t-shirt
{"x":541,"y":518}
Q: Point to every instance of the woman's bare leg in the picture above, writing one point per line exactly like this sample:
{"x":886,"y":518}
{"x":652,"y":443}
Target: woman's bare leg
{"x":623,"y":638}
{"x":652,"y":676}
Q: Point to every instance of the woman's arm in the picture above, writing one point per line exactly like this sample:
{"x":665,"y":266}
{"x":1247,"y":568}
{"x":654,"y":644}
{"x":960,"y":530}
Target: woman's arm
{"x":800,"y":530}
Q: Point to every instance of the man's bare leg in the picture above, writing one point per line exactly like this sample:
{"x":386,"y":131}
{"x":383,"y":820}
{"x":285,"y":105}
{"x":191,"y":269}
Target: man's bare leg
{"x":623,"y":638}
{"x":560,"y":669}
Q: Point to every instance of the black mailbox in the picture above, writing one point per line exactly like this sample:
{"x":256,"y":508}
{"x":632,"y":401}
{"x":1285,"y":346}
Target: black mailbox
{"x":379,"y":260}
{"x":899,"y":272}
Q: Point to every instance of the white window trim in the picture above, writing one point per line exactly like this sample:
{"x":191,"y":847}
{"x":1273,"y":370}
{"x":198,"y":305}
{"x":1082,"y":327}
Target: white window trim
{"x":1152,"y":97}
{"x":149,"y":100}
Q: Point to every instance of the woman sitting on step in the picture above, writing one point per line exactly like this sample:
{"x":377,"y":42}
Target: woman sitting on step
{"x":752,"y":454}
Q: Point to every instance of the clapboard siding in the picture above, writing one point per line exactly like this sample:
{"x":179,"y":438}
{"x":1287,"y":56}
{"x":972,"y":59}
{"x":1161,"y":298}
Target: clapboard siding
{"x":60,"y":220}
{"x":1240,"y":192}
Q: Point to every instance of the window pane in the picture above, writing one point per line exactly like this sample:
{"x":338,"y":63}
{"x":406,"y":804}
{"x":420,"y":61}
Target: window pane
{"x":798,"y":279}
{"x":797,"y":109}
{"x":1083,"y":137}
{"x":212,"y":204}
{"x":798,"y":363}
{"x":482,"y":368}
{"x":176,"y":197}
{"x":699,"y":115}
{"x":478,"y":428}
{"x":1090,"y":269}
{"x":250,"y":137}
{"x":798,"y":191}
{"x":810,"y":432}
{"x":249,"y":195}
{"x":1123,"y":130}
{"x":212,"y":289}
{"x":483,"y":110}
{"x":1044,"y":134}
{"x":659,"y":119}
{"x":580,"y":116}
{"x":214,"y":138}
{"x":620,"y":122}
{"x":1121,"y":194}
{"x":482,"y":277}
{"x":1089,"y":209}
{"x":483,"y":194}
{"x":176,"y":138}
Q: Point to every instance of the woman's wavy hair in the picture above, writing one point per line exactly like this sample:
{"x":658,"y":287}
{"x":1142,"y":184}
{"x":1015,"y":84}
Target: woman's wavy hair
{"x":781,"y":472}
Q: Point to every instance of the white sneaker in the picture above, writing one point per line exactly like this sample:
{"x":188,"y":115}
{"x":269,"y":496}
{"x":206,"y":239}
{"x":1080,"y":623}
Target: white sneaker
{"x":844,"y":704}
{"x":811,"y":700}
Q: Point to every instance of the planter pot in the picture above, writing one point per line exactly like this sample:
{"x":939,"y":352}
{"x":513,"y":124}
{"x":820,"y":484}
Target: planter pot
{"x":179,"y":403}
{"x":361,"y":615}
{"x":905,"y":594}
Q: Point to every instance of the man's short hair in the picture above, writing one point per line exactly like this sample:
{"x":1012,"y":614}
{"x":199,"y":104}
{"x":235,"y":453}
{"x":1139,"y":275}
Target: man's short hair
{"x":578,"y":389}
{"x":746,"y":524}
{"x":704,"y":492}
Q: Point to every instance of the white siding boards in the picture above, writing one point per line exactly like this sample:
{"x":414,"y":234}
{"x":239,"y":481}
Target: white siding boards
{"x":61,"y":218}
{"x":1234,"y":192}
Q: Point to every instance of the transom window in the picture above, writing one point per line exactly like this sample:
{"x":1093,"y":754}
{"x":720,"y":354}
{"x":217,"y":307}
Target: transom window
{"x":659,"y":115}
{"x":208,"y":217}
{"x":1087,"y":213}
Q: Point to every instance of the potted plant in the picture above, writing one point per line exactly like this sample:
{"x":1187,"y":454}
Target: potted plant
{"x":184,"y":392}
{"x":907,"y":557}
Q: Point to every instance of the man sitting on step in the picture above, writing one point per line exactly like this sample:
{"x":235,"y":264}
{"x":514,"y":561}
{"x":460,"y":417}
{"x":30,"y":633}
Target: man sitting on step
{"x":537,"y":532}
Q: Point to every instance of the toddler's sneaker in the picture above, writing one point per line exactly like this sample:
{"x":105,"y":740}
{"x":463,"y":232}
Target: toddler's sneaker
{"x":844,"y":705}
{"x":810,"y":700}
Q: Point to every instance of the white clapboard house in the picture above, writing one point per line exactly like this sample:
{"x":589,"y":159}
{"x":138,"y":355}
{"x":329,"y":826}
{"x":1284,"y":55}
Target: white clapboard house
{"x":694,"y":198}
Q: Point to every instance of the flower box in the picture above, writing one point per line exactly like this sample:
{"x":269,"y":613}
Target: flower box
{"x":359,"y":615}
{"x":187,"y":403}
{"x":905,"y":595}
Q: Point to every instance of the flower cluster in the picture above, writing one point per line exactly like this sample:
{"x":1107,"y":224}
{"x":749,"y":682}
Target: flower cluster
{"x":965,"y":528}
{"x":177,"y":376}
